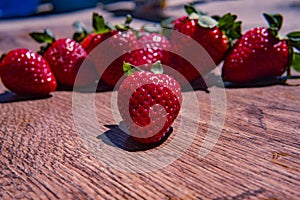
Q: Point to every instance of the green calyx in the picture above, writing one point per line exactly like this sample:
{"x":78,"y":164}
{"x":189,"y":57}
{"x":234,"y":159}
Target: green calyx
{"x":274,"y":21}
{"x":227,"y":23}
{"x":99,"y":27}
{"x":294,"y":45}
{"x":232,"y":28}
{"x":43,"y":37}
{"x":204,"y":20}
{"x":126,"y":25}
{"x":129,"y":69}
{"x":99,"y":24}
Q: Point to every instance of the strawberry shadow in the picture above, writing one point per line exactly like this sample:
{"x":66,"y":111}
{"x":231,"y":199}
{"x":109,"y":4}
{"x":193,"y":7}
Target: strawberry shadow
{"x":118,"y":138}
{"x":10,"y":97}
{"x":256,"y":84}
{"x":93,"y":88}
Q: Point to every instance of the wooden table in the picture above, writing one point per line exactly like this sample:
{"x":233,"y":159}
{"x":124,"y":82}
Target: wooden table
{"x":44,"y":156}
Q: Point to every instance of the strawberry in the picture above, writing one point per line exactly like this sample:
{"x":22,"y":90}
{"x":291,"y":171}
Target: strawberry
{"x":101,"y":32}
{"x":138,"y":98}
{"x":154,"y":47}
{"x":121,"y":40}
{"x":25,"y":72}
{"x":214,"y":36}
{"x":124,"y":43}
{"x":260,"y":53}
{"x":65,"y":57}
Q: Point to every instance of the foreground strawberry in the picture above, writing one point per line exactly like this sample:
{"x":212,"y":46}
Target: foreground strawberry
{"x":25,"y":72}
{"x":65,"y":57}
{"x":260,"y":53}
{"x":214,"y":36}
{"x":138,"y":98}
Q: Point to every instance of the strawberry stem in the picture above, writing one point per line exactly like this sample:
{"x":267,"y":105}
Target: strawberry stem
{"x":81,"y":31}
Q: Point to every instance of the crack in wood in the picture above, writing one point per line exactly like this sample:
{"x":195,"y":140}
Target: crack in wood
{"x":256,"y":116}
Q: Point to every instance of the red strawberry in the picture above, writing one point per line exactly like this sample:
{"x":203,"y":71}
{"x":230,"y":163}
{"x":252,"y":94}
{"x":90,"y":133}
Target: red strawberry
{"x":94,"y":39}
{"x":259,"y":53}
{"x":154,"y":47}
{"x":124,"y":43}
{"x":101,"y":32}
{"x":138,"y":97}
{"x":25,"y":72}
{"x":208,"y":32}
{"x":121,"y":40}
{"x":65,"y":57}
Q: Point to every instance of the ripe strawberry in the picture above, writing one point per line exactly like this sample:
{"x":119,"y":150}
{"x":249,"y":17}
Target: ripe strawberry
{"x":138,"y":97}
{"x":65,"y":57}
{"x":154,"y":47}
{"x":260,"y":54}
{"x":214,"y":36}
{"x":101,"y":32}
{"x":124,"y":43}
{"x":25,"y":72}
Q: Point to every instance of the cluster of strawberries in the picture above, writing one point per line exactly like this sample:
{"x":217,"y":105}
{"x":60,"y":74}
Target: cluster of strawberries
{"x":257,"y":54}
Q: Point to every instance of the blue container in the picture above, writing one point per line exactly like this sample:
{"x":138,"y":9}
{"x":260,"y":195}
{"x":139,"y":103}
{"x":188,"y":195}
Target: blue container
{"x":69,"y":5}
{"x":18,"y":8}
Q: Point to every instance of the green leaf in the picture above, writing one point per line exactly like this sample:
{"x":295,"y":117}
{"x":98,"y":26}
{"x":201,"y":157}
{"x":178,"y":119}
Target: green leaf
{"x":190,"y":8}
{"x":193,"y":16}
{"x":274,"y":21}
{"x":129,"y":69}
{"x":157,"y":68}
{"x":207,"y":22}
{"x":80,"y":27}
{"x":128,"y":19}
{"x":226,"y":21}
{"x":168,"y":23}
{"x":78,"y":37}
{"x":81,"y":31}
{"x":43,"y":37}
{"x":99,"y":24}
{"x":295,"y":43}
{"x":294,"y":35}
{"x":216,"y":17}
{"x":236,"y":31}
{"x":296,"y":62}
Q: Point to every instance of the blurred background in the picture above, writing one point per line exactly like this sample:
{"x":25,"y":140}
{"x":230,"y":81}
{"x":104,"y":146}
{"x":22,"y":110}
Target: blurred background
{"x":21,"y":8}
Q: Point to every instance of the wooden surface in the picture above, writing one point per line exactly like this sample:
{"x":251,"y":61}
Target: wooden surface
{"x":43,"y":156}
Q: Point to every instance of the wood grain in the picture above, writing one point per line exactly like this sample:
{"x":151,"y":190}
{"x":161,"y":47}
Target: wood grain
{"x":43,"y":156}
{"x":256,"y":157}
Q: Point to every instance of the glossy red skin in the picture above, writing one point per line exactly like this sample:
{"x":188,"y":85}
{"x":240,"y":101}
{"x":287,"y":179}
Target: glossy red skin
{"x":141,"y":91}
{"x":125,"y":43}
{"x":213,"y":40}
{"x":25,"y":72}
{"x":94,"y":39}
{"x":154,"y":47}
{"x":256,"y":55}
{"x":65,"y":57}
